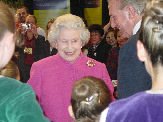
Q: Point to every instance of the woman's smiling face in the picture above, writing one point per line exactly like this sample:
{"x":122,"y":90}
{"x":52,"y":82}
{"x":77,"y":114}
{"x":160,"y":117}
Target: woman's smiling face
{"x":69,"y":44}
{"x":110,"y":38}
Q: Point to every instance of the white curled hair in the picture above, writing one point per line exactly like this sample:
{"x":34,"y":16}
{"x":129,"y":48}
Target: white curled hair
{"x":68,"y":21}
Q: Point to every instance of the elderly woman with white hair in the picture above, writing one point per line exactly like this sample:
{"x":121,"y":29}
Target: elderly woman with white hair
{"x":52,"y":78}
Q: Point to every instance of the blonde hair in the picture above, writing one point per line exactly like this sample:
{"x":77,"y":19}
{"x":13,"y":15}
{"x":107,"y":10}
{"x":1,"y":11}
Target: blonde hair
{"x":7,"y":22}
{"x":32,"y":17}
{"x":68,"y":21}
{"x":10,"y":70}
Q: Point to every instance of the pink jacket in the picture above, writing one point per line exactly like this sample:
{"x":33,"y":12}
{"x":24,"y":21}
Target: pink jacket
{"x":52,"y":79}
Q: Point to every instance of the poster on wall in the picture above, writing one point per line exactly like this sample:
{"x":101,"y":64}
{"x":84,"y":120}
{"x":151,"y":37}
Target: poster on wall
{"x":93,"y":11}
{"x":48,"y":9}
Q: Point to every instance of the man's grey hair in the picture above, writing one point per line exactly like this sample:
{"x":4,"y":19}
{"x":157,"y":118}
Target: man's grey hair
{"x":139,"y":5}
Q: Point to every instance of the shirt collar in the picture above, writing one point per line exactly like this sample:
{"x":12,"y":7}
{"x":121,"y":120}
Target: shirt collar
{"x":136,"y":28}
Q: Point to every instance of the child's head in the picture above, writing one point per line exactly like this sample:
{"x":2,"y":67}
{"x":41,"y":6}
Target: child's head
{"x":111,"y":38}
{"x":90,"y":96}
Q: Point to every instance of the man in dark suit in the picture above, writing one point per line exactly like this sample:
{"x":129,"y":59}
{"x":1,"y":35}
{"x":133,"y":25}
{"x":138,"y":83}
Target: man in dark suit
{"x":132,"y":75}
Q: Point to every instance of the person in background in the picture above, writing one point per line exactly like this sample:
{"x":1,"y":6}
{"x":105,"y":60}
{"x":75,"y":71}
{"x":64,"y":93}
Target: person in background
{"x":132,"y":75}
{"x":120,"y":39}
{"x":145,"y":106}
{"x":31,"y":48}
{"x":89,"y":98}
{"x":11,"y":70}
{"x":50,"y":22}
{"x":17,"y":20}
{"x":18,"y":101}
{"x":112,"y":58}
{"x":99,"y":48}
{"x":106,"y":28}
{"x":52,"y":49}
{"x":31,"y":20}
{"x":52,"y":78}
{"x":21,"y":13}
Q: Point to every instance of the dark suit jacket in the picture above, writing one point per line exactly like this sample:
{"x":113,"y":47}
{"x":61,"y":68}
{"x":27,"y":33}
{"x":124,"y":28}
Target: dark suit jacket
{"x":132,"y":75}
{"x":53,"y":51}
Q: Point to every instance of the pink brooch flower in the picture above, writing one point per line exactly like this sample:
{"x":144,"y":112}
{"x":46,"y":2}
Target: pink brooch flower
{"x":90,"y":63}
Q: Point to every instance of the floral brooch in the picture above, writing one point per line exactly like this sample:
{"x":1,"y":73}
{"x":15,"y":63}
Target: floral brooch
{"x":90,"y":63}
